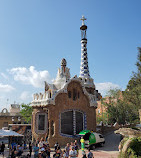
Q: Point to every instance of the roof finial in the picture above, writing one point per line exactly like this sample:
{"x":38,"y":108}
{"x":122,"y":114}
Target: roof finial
{"x":83,"y":19}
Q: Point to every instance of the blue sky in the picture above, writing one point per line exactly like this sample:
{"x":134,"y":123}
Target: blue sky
{"x":35,"y":35}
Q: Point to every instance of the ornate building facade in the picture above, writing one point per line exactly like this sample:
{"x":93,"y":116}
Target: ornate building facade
{"x":67,"y":106}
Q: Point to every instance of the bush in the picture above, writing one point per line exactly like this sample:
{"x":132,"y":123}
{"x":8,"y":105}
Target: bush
{"x":135,"y":147}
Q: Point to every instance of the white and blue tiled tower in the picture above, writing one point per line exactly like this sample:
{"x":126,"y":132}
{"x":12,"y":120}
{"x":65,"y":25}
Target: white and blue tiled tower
{"x":84,"y":68}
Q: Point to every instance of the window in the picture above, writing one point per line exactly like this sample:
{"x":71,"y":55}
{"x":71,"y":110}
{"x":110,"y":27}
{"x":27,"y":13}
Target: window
{"x":69,"y":94}
{"x":41,"y":122}
{"x":74,"y":94}
{"x":71,"y":122}
{"x":67,"y":122}
{"x":79,"y":122}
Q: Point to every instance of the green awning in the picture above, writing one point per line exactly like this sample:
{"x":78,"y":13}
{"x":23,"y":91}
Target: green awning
{"x":84,"y":132}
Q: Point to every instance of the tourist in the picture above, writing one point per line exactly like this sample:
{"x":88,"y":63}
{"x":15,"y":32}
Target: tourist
{"x":36,"y":151}
{"x":76,"y":146}
{"x":48,"y":151}
{"x":84,"y":154}
{"x":41,"y":142}
{"x":13,"y":153}
{"x":71,"y":144}
{"x":24,"y":144}
{"x":43,"y":153}
{"x":30,"y":148}
{"x":90,"y":154}
{"x":82,"y":143}
{"x":59,"y":152}
{"x":56,"y":146}
{"x":67,"y":148}
{"x":73,"y":152}
{"x":2,"y":148}
{"x":19,"y":150}
{"x":64,"y":154}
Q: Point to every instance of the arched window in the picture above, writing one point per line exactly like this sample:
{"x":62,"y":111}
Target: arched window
{"x":72,"y":122}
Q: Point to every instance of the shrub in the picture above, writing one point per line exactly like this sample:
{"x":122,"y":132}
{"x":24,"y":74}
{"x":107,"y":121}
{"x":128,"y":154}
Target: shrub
{"x":135,"y":147}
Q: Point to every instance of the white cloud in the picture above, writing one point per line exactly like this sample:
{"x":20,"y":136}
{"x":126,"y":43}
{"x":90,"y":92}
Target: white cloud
{"x":25,"y":96}
{"x":103,"y":88}
{"x":6,"y":88}
{"x":4,"y":76}
{"x":30,"y":76}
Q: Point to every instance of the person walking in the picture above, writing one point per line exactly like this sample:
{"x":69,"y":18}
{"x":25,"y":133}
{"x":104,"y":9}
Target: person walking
{"x":90,"y":154}
{"x":48,"y":151}
{"x":82,"y":144}
{"x":67,"y":149}
{"x":36,"y":151}
{"x":2,"y":148}
{"x":30,"y":148}
{"x":56,"y":146}
{"x":73,"y":153}
{"x":84,"y":155}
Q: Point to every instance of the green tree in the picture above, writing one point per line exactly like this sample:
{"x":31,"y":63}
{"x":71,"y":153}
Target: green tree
{"x":118,"y":108}
{"x":133,"y":90}
{"x":125,"y":108}
{"x":26,"y":112}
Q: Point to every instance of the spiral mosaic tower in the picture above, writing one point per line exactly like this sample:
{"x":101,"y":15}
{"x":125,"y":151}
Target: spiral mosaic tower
{"x":84,"y":68}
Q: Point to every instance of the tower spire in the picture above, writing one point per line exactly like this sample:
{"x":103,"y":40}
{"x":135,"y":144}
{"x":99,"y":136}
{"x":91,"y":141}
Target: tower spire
{"x":83,"y":19}
{"x":84,"y":68}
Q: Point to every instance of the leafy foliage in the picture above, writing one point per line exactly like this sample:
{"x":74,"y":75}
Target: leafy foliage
{"x":135,"y":147}
{"x":103,"y":118}
{"x":118,"y":108}
{"x":124,"y":106}
{"x":133,"y":90}
{"x":26,"y":112}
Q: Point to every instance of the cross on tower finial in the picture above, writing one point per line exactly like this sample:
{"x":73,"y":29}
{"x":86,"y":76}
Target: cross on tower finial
{"x":83,"y":19}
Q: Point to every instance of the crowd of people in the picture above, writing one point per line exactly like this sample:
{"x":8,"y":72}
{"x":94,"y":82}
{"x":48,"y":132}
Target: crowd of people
{"x":41,"y":149}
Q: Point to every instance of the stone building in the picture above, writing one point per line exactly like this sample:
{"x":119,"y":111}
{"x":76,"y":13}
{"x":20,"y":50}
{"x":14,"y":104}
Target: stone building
{"x":11,"y":117}
{"x":67,"y":106}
